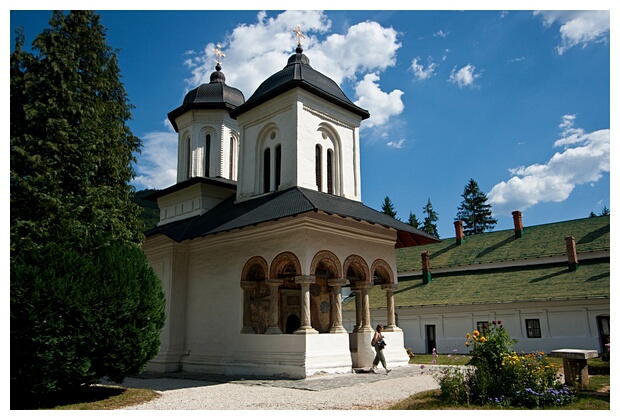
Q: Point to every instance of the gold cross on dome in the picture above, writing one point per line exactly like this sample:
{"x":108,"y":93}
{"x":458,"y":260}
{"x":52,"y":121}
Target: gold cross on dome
{"x":299,"y":34}
{"x":219,"y":53}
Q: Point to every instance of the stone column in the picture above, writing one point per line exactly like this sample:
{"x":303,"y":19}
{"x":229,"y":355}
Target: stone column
{"x":337,"y":284}
{"x":391,"y":317}
{"x":306,"y":322}
{"x":247,"y":287}
{"x":274,"y":305}
{"x":358,"y":307}
{"x":364,"y":288}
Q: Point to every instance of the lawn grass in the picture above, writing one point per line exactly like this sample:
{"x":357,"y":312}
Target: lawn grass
{"x":95,"y":397}
{"x":442,"y":359}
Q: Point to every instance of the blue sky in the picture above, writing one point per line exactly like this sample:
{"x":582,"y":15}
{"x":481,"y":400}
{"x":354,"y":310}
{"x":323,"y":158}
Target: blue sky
{"x":518,"y":100}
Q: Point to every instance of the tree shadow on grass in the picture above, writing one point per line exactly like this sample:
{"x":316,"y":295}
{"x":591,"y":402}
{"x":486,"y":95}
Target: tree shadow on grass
{"x":495,"y":247}
{"x":549,"y":276}
{"x":83,"y":394}
{"x":591,"y":236}
{"x":600,"y":276}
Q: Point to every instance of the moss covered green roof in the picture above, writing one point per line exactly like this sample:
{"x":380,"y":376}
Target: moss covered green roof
{"x":539,"y":281}
{"x":535,"y":283}
{"x":591,"y":234}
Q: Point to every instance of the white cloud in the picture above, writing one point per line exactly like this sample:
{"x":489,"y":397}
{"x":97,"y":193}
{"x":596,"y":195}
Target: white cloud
{"x":440,"y":34}
{"x":421,"y":73}
{"x":586,"y":156}
{"x":396,"y":144}
{"x":578,"y":27}
{"x":366,"y":47}
{"x":381,"y":105}
{"x":465,"y":76}
{"x":157,"y":164}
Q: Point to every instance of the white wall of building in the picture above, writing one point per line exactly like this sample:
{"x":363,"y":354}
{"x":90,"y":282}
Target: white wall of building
{"x":202,"y":279}
{"x":297,"y":121}
{"x":564,"y":324}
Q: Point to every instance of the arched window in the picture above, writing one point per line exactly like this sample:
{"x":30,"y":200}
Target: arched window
{"x":207,"y":155}
{"x":317,"y":166}
{"x":330,"y":171}
{"x":278,"y":166}
{"x":188,"y":158}
{"x":232,"y":163}
{"x":267,"y":170}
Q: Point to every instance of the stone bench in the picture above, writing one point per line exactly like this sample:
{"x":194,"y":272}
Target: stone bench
{"x":575,"y":363}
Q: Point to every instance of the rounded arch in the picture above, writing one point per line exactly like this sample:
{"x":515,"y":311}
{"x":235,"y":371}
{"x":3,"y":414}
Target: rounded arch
{"x":332,"y":155}
{"x":184,"y":166}
{"x":265,"y":157}
{"x":207,"y":152}
{"x":329,"y":260}
{"x":381,"y":272}
{"x":233,"y":155}
{"x":356,"y":269}
{"x":285,"y":264}
{"x":255,"y":269}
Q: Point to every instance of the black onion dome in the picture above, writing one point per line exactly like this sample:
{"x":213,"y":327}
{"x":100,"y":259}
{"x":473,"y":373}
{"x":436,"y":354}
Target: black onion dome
{"x":213,"y":95}
{"x":299,"y":73}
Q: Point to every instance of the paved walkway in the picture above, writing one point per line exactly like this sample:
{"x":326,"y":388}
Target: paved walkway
{"x":345,"y":391}
{"x":318,"y":382}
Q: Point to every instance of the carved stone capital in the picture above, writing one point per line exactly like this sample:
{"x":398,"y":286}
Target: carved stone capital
{"x":336,"y":282}
{"x":305,"y":279}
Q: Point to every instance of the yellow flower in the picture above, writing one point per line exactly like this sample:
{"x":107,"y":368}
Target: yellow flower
{"x":467,"y":344}
{"x":483,"y":339}
{"x":476,"y":333}
{"x":468,"y":336}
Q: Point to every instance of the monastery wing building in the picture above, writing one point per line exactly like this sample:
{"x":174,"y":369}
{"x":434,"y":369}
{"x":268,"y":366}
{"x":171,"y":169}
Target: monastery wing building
{"x":265,"y":227}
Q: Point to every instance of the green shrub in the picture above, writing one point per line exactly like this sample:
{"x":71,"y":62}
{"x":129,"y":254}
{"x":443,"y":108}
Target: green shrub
{"x":501,"y":377}
{"x":76,"y":318}
{"x":455,"y":385}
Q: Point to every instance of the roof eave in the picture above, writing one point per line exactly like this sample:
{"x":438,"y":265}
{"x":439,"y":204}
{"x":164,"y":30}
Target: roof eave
{"x":302,"y":84}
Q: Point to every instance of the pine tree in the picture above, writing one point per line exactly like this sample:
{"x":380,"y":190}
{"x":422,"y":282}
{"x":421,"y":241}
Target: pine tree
{"x":413,"y":220}
{"x":85,"y":303}
{"x":430,"y":221}
{"x":474,"y":210}
{"x":388,"y":207}
{"x":71,"y":148}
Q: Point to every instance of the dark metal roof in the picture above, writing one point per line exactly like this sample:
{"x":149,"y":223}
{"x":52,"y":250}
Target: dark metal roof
{"x":298,"y":73}
{"x":291,"y":202}
{"x":216,"y":181}
{"x":213,"y":95}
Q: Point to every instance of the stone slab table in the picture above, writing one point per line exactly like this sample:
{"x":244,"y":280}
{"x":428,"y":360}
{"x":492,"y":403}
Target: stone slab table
{"x":575,"y":363}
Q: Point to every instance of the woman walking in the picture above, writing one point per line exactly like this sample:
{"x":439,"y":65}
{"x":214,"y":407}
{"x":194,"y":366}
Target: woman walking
{"x":379,"y":344}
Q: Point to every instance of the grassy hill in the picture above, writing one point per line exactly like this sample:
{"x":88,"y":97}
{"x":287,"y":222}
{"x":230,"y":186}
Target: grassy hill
{"x":150,"y":210}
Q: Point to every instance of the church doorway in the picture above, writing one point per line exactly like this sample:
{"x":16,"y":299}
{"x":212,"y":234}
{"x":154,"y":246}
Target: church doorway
{"x":292,"y":324}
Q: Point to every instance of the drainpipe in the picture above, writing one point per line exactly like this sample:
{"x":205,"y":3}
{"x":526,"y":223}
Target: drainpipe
{"x":426,"y":268}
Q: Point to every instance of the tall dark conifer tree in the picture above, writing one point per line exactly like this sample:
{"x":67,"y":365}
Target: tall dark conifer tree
{"x":429,"y":225}
{"x":474,"y":210}
{"x":388,"y":207}
{"x":71,"y":148}
{"x":85,"y":302}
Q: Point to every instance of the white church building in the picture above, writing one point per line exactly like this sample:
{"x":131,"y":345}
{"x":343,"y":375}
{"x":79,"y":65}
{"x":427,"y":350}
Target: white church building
{"x":265,"y":227}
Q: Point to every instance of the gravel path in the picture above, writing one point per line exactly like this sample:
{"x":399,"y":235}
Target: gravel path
{"x":323,"y":392}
